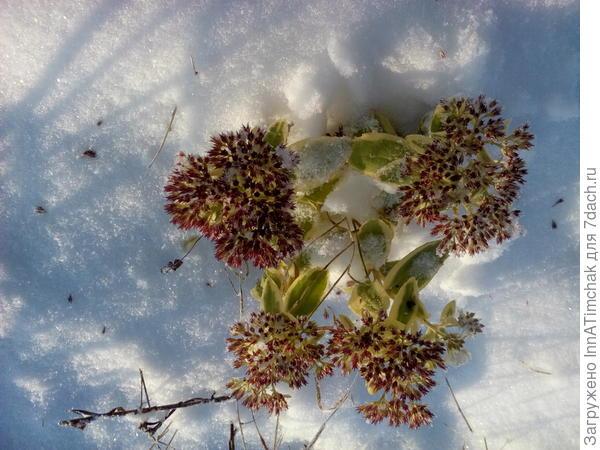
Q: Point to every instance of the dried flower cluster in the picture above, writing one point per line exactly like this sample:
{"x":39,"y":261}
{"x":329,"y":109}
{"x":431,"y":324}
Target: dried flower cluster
{"x":241,"y":196}
{"x":470,"y":324}
{"x":458,"y":186}
{"x":274,"y":348}
{"x":399,"y":364}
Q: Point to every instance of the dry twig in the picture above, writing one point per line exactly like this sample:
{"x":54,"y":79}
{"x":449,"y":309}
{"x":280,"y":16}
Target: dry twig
{"x":232,"y":431}
{"x":149,"y":426}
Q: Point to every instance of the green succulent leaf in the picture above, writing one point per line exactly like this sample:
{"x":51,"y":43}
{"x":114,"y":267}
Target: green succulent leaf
{"x":448,"y":311}
{"x":385,"y":123}
{"x":448,"y":315}
{"x":321,"y":160}
{"x":375,"y":240}
{"x":422,"y":264}
{"x":320,"y":193}
{"x":275,"y":275}
{"x":278,"y":133}
{"x":271,"y":297}
{"x":369,"y":296}
{"x":432,"y":121}
{"x":306,"y":292}
{"x":372,"y":151}
{"x":345,"y":321}
{"x":406,"y":306}
{"x":418,"y":142}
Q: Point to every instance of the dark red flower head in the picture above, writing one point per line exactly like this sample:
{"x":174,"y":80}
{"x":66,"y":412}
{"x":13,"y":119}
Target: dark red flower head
{"x":240,"y":195}
{"x":274,"y":348}
{"x":466,"y":181}
{"x":399,"y":364}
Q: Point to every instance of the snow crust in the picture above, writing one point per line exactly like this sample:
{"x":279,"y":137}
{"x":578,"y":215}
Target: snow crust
{"x":106,"y":74}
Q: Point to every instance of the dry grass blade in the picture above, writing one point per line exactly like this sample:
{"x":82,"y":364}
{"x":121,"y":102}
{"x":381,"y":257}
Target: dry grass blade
{"x":237,"y":407}
{"x":336,"y":407}
{"x":458,"y":406}
{"x":169,"y":128}
{"x":260,"y":436}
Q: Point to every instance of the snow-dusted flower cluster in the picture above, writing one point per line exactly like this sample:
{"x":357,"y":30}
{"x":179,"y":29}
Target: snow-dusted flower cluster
{"x":241,"y":196}
{"x":457,"y":185}
{"x":399,"y":364}
{"x":274,"y":348}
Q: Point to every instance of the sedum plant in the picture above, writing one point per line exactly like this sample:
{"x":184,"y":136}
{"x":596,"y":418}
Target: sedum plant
{"x":267,"y":202}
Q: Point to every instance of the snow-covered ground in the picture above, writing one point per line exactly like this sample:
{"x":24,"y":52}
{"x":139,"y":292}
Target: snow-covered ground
{"x":67,"y":65}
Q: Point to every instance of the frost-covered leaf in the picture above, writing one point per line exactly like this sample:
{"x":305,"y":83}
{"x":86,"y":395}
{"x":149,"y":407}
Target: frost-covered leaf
{"x":320,"y":160}
{"x":305,"y":214}
{"x":278,"y":133}
{"x":375,"y":239}
{"x":368,"y":296}
{"x":393,"y":173}
{"x":305,"y":293}
{"x":372,"y":151}
{"x":422,"y":264}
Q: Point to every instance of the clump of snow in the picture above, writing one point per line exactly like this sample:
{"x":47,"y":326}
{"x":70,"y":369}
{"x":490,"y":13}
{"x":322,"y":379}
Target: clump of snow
{"x":9,"y":309}
{"x":354,"y":196}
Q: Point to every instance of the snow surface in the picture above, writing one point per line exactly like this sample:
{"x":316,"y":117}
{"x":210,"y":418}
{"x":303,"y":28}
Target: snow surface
{"x":65,"y":65}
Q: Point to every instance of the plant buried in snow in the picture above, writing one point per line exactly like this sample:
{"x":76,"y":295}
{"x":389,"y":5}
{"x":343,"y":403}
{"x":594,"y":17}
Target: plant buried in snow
{"x":274,"y":348}
{"x":457,"y":185}
{"x":240,"y":195}
{"x":400,"y":364}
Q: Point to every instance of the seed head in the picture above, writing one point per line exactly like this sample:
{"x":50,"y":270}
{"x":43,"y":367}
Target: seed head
{"x":458,"y":186}
{"x":274,"y":348}
{"x":400,"y":364}
{"x":241,"y":196}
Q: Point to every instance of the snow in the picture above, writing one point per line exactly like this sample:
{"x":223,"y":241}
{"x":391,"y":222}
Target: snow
{"x":66,"y":65}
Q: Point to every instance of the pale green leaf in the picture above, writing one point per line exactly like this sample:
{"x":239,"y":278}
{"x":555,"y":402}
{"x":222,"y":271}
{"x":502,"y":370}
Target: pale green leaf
{"x":369,"y":296}
{"x":385,"y":123}
{"x":278,"y":133}
{"x":372,"y":151}
{"x":422,"y":264}
{"x":271,"y":297}
{"x":306,"y":292}
{"x":406,"y":306}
